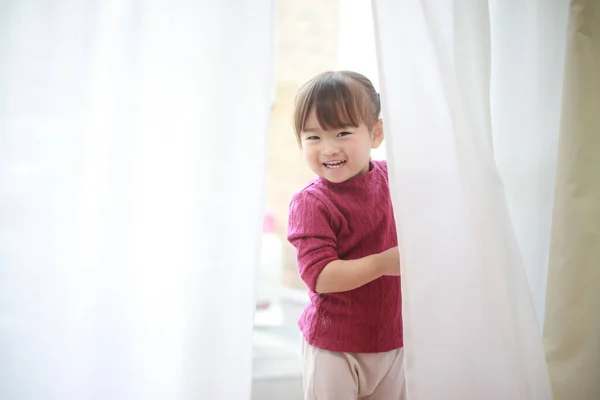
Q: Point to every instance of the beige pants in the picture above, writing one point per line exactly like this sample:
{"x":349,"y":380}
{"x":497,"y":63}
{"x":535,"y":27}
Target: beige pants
{"x":351,"y":376}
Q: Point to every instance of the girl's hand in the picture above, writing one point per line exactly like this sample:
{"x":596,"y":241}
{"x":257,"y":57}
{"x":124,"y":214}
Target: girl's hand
{"x":390,"y":262}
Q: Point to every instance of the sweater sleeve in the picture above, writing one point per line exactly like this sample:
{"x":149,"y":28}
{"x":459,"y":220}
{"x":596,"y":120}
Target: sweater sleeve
{"x":311,"y":233}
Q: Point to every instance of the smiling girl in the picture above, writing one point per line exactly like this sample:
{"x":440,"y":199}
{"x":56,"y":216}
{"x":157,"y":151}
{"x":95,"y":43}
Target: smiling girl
{"x":343,"y":229}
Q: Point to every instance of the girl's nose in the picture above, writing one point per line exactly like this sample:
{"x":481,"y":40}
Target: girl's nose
{"x":330,"y":149}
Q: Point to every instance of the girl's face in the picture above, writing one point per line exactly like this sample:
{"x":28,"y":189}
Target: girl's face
{"x":338,"y":155}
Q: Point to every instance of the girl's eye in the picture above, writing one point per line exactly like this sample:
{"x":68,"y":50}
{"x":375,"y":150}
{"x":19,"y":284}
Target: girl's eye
{"x":342,"y":134}
{"x":312,"y":138}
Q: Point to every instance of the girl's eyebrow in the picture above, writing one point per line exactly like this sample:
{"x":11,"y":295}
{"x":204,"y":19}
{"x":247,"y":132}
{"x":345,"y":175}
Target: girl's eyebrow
{"x":308,"y":130}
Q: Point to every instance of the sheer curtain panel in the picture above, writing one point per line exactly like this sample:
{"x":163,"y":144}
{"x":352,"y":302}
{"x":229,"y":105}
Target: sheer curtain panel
{"x":132,"y":165}
{"x":472,"y":98}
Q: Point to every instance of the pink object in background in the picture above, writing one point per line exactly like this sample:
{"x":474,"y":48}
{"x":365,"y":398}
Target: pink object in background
{"x":269,"y":224}
{"x":270,"y":275}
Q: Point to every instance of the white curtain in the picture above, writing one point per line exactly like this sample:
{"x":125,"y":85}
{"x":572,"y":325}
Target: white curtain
{"x":132,"y":165}
{"x":526,"y":100}
{"x":472,"y":102}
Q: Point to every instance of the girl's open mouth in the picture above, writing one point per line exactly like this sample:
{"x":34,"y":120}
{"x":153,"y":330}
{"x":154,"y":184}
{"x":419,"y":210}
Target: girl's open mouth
{"x":334,"y":164}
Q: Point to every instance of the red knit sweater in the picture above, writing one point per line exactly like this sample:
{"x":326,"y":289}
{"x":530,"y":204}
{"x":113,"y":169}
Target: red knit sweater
{"x":346,"y":221}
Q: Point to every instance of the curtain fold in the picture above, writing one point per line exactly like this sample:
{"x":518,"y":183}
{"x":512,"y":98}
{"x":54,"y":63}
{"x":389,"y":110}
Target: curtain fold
{"x":572,"y":329}
{"x":471,"y":330}
{"x":132,"y":163}
{"x":527,"y":53}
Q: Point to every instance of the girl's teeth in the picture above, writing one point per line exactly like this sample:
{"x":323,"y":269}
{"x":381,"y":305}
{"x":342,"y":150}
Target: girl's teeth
{"x":335,"y":164}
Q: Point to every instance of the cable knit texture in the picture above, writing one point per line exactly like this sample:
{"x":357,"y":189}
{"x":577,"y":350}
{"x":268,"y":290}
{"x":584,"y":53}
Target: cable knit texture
{"x":346,"y":221}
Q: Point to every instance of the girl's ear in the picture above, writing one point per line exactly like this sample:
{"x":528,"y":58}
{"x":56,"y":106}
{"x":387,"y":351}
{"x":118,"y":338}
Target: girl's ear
{"x":377,"y":134}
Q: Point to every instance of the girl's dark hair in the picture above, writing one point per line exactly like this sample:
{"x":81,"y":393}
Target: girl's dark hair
{"x":339,"y":98}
